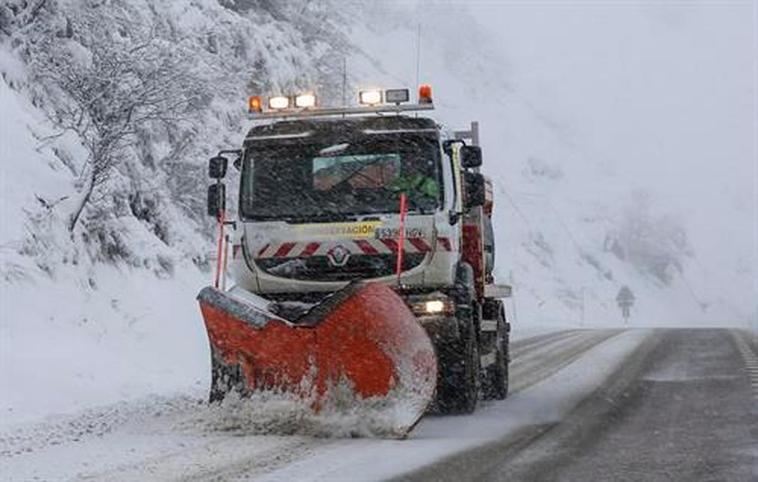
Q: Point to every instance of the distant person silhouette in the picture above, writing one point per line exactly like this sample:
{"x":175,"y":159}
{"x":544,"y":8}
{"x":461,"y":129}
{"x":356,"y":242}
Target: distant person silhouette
{"x":625,"y":300}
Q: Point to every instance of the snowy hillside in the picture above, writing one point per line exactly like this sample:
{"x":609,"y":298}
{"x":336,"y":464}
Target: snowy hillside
{"x":106,"y":311}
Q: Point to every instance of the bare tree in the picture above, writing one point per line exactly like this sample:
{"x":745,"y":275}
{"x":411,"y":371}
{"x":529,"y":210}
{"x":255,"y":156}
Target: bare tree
{"x":111,"y":90}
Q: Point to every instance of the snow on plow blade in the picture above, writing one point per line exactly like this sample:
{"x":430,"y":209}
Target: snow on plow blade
{"x":360,"y":348}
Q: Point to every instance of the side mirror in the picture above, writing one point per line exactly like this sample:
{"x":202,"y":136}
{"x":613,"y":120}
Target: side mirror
{"x":217,"y":167}
{"x":447,"y":146}
{"x":475,"y":189}
{"x":471,"y":156}
{"x":216,"y":199}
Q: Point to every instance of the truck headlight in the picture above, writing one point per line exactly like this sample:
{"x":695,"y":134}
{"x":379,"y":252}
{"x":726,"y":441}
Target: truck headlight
{"x":433,"y":307}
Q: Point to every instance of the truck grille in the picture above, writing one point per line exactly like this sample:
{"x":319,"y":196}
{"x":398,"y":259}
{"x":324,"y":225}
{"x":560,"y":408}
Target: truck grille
{"x":318,"y":268}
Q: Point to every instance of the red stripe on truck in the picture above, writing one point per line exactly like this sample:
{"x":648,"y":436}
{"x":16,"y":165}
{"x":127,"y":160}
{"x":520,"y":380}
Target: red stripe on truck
{"x":366,"y":247}
{"x":420,"y":245}
{"x":391,"y":244}
{"x":445,"y":244}
{"x":310,"y":249}
{"x":284,"y":250}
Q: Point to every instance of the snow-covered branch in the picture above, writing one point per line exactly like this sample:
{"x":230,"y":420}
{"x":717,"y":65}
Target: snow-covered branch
{"x":111,"y":90}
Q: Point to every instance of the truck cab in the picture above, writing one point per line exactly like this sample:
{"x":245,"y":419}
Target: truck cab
{"x":333,"y":196}
{"x":319,"y":205}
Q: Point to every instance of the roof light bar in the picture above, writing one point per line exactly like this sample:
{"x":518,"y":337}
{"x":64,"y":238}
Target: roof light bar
{"x":371,"y":101}
{"x":334,"y":111}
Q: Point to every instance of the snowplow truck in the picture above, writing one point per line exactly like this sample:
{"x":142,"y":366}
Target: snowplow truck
{"x":360,"y":260}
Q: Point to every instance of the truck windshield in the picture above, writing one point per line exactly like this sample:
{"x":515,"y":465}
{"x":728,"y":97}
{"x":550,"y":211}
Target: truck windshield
{"x":304,"y":180}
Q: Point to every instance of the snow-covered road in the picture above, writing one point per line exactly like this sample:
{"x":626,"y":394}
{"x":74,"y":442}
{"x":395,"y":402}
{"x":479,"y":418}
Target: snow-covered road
{"x":181,"y":438}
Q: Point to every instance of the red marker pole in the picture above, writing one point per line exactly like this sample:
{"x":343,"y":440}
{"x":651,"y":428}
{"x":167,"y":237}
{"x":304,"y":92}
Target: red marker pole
{"x":220,"y":250}
{"x":401,"y":235}
{"x":225,"y":269}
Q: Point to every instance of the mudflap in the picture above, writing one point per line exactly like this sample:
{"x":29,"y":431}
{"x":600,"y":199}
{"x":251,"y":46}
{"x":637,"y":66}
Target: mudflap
{"x":360,"y":347}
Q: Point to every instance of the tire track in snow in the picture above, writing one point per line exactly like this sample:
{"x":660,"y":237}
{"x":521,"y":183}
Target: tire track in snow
{"x":215,"y":460}
{"x":88,"y":424}
{"x":534,"y":366}
{"x":523,"y":346}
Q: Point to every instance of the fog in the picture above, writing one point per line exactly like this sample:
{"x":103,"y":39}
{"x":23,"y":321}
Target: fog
{"x":665,"y":94}
{"x":635,"y":99}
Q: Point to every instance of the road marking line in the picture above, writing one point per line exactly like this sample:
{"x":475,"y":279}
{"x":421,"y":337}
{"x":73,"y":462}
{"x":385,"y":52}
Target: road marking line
{"x":750,"y":359}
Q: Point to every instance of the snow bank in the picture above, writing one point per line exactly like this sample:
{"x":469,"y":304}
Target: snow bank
{"x":68,"y":346}
{"x":82,"y":334}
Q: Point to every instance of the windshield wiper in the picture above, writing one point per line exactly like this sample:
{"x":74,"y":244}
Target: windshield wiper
{"x":318,"y":218}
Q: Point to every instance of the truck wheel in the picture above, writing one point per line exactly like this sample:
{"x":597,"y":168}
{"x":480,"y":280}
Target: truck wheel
{"x":495,"y":383}
{"x":458,"y":384}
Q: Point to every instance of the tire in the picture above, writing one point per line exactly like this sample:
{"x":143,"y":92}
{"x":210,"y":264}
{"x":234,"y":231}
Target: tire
{"x":465,"y":291}
{"x":495,"y":381}
{"x":458,"y":384}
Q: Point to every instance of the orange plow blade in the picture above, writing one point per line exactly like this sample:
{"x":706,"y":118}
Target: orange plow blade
{"x":361,"y":346}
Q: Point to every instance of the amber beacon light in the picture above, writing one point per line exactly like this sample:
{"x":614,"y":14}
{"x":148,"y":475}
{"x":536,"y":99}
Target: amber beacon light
{"x":254,"y":103}
{"x":425,"y":94}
